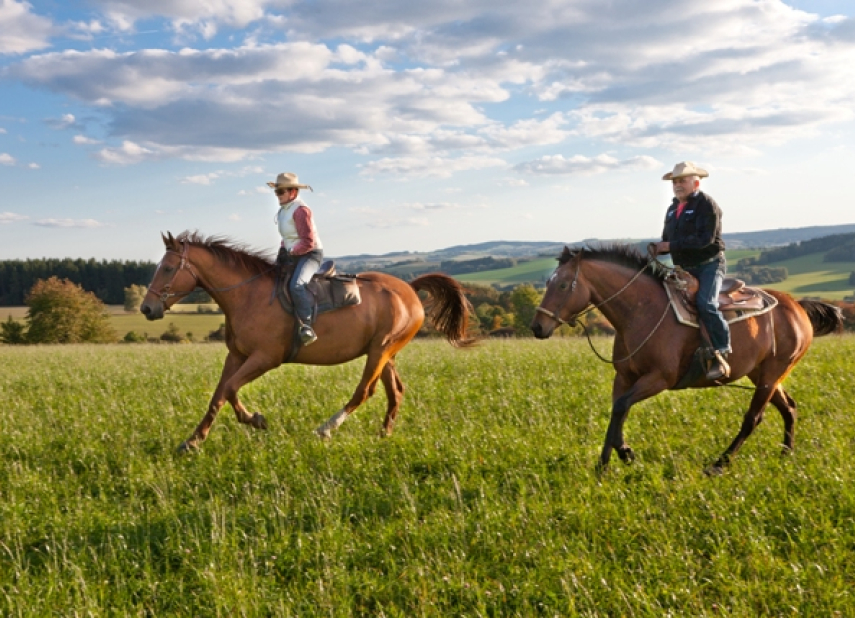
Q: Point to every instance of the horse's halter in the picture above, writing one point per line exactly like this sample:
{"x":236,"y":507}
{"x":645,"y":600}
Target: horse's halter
{"x":555,"y":315}
{"x":164,"y":292}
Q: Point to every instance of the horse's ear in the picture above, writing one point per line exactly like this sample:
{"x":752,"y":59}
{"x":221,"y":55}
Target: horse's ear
{"x":168,"y":240}
{"x":565,"y":255}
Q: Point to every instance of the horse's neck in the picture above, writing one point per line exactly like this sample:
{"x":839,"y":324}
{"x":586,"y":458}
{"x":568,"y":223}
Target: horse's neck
{"x":224,"y":282}
{"x":613,"y":287}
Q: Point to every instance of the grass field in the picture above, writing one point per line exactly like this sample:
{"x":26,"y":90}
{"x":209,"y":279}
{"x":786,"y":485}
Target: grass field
{"x":483,"y":503}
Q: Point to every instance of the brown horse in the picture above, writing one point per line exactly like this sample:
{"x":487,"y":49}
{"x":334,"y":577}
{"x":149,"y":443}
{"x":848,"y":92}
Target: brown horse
{"x":259,"y":331}
{"x":652,"y":350}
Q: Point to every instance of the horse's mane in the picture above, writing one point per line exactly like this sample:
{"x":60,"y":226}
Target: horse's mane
{"x":616,"y":253}
{"x":225,"y":250}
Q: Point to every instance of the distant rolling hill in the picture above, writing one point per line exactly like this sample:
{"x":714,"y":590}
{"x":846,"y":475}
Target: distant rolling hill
{"x":533,"y":262}
{"x":527,"y":249}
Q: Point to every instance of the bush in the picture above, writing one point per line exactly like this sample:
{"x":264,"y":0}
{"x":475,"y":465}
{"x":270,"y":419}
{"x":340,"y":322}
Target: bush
{"x":219,"y":334}
{"x":63,"y":312}
{"x":134,"y":296}
{"x":13,"y":332}
{"x":133,"y":337}
{"x":172,"y":334}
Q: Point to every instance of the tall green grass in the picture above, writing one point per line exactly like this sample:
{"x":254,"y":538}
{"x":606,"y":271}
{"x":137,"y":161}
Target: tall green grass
{"x":483,"y":503}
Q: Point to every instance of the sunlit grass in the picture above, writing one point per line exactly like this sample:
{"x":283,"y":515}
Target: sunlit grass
{"x":483,"y":502}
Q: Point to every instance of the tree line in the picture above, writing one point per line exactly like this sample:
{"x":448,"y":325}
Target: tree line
{"x":107,"y":280}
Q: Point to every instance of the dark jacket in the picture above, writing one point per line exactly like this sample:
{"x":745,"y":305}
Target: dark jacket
{"x":696,"y":236}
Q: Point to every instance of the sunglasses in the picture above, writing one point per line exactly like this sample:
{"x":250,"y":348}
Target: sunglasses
{"x":281,"y":191}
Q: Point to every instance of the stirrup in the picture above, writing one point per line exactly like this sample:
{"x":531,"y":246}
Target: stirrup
{"x":718,"y":368}
{"x":307,"y":335}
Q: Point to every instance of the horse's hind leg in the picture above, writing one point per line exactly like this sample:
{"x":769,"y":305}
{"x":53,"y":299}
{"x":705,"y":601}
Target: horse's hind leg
{"x":394,"y":394}
{"x":786,"y":405}
{"x":374,"y":365}
{"x":752,"y":418}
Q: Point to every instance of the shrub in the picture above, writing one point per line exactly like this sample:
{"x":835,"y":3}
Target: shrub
{"x":13,"y":331}
{"x":62,"y":312}
{"x":172,"y":334}
{"x":219,"y":334}
{"x":133,"y":337}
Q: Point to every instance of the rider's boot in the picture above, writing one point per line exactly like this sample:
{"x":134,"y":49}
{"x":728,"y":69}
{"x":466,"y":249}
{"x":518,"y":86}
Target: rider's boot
{"x":718,"y":367}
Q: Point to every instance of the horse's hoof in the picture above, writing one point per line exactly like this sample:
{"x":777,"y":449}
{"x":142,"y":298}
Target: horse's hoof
{"x":714,"y":470}
{"x":323,"y":433}
{"x":258,"y":421}
{"x":188,"y":446}
{"x":601,"y":468}
{"x":626,"y":454}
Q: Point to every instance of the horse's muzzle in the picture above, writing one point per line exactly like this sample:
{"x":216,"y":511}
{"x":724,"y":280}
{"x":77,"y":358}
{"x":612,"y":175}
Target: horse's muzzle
{"x":539,"y":331}
{"x":152,"y":311}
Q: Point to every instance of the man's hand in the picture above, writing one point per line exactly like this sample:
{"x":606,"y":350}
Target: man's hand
{"x":658,"y":248}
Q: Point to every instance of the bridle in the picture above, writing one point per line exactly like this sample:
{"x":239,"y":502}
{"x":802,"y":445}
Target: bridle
{"x":164,"y":292}
{"x":555,"y":315}
{"x":575,"y":318}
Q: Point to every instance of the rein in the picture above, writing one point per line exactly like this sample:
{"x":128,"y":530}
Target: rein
{"x":575,"y":319}
{"x":185,"y":264}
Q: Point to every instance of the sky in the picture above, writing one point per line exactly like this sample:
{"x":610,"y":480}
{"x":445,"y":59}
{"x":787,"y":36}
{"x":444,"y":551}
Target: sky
{"x":419,"y":125}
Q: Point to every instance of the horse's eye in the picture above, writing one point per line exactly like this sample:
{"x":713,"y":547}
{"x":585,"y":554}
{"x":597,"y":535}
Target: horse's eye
{"x":563,"y":285}
{"x":168,"y":269}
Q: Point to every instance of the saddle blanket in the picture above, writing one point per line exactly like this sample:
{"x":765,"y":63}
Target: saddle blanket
{"x":736,"y":302}
{"x":330,"y":292}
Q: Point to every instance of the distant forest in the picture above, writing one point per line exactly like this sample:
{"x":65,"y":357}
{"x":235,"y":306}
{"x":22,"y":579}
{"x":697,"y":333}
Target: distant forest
{"x":107,"y":280}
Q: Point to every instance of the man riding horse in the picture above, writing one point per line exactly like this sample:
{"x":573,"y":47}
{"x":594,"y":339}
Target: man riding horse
{"x":692,"y":235}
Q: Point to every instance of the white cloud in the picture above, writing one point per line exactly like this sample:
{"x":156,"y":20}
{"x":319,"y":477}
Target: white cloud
{"x":126,"y":154}
{"x":430,"y":166}
{"x":34,"y":166}
{"x":557,"y":164}
{"x":200,"y":179}
{"x":11,"y":217}
{"x":435,"y":206}
{"x":6,"y":159}
{"x":430,"y":88}
{"x":82,"y":140}
{"x":69,"y":223}
{"x":20,"y":30}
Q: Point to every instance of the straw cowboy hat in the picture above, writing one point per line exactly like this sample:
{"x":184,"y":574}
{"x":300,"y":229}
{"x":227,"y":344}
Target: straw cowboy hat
{"x":685,"y":168}
{"x":288,"y":180}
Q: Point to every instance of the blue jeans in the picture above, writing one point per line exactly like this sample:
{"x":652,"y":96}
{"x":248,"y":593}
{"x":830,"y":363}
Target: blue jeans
{"x":709,"y":277}
{"x":304,"y":301}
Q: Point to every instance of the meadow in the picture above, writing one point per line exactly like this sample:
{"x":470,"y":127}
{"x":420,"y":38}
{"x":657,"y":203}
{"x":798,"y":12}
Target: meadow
{"x":485,"y":501}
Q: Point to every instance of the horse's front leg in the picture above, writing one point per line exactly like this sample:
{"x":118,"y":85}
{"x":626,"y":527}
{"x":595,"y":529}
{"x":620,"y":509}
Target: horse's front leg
{"x":237,"y":371}
{"x":624,"y":396}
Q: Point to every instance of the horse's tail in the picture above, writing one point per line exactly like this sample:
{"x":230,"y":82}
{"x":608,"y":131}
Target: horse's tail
{"x":824,"y":318}
{"x":450,"y":310}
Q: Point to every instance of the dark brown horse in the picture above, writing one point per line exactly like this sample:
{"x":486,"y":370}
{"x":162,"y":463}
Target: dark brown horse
{"x":259,"y":331}
{"x":652,"y":350}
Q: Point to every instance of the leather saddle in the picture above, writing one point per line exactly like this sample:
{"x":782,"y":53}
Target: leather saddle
{"x":736,"y":301}
{"x":330,"y":289}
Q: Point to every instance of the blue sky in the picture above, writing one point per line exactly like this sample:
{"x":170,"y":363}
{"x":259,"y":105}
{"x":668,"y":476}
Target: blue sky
{"x":419,"y":125}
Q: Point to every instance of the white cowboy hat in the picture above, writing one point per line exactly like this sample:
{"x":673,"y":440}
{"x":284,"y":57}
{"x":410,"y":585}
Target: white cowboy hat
{"x":685,"y":168}
{"x":288,"y":180}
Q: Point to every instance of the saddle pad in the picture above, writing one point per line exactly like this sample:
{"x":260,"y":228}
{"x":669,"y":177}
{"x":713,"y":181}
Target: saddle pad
{"x":748,"y":303}
{"x":330,"y":293}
